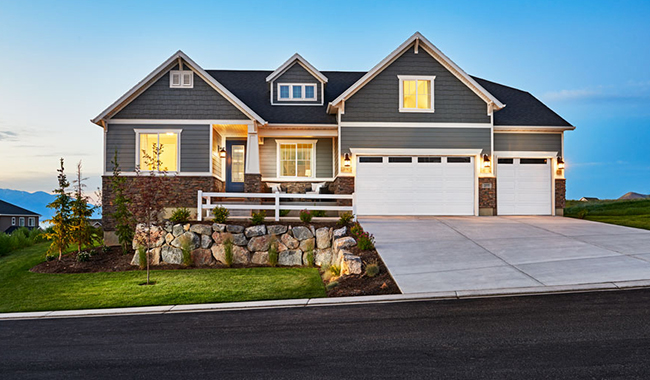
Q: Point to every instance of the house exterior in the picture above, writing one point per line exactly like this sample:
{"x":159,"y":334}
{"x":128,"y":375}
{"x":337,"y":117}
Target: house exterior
{"x":414,"y":135}
{"x":13,"y":217}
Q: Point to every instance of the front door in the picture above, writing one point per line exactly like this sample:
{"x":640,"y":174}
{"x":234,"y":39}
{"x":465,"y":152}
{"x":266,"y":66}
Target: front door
{"x":235,"y":165}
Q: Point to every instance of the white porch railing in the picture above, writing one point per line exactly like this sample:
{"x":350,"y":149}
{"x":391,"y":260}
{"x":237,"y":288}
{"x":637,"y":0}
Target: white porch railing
{"x":205,"y":204}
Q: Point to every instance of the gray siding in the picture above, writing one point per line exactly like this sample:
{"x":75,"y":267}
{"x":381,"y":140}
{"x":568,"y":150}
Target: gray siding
{"x":379,"y":99}
{"x":161,"y":102}
{"x":415,"y":138}
{"x":269,"y":158}
{"x":216,"y":161}
{"x":525,"y":142}
{"x":195,"y":146}
{"x":297,"y":74}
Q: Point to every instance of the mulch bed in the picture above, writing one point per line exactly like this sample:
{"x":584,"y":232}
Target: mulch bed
{"x":113,"y":260}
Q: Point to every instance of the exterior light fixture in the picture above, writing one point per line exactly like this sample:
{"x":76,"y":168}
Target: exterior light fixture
{"x":346,"y":160}
{"x":222,"y":152}
{"x":560,"y":163}
{"x":486,"y":161}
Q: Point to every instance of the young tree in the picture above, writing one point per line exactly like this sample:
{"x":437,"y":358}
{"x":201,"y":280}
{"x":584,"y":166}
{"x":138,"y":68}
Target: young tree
{"x":124,"y":222}
{"x":60,"y":235}
{"x":82,"y":210}
{"x":153,"y":193}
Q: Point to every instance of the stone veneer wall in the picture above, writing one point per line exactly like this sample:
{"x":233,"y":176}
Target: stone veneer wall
{"x":184,"y":190}
{"x":487,"y":196}
{"x":253,"y":183}
{"x":343,"y":185}
{"x":560,"y":196}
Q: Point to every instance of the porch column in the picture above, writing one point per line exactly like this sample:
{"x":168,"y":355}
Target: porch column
{"x":252,"y":175}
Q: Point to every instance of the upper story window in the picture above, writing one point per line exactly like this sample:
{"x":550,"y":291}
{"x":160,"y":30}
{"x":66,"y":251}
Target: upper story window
{"x":296,"y":158}
{"x":416,"y":93}
{"x":181,"y":79}
{"x":296,"y":91}
{"x":158,"y":150}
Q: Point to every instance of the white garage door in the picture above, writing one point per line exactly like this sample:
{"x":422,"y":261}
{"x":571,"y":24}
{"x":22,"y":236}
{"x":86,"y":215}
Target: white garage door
{"x":415,"y":185}
{"x":523,"y":186}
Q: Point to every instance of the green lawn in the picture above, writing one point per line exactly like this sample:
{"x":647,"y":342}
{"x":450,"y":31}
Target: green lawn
{"x":21,"y":290}
{"x":631,"y":213}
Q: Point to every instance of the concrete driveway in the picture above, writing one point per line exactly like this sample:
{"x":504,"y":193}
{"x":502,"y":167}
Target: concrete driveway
{"x":429,"y":254}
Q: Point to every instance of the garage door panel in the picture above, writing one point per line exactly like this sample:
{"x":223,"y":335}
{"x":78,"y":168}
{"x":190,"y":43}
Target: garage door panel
{"x":524,"y":189}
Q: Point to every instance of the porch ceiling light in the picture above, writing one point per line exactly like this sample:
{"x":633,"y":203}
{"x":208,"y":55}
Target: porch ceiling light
{"x":486,"y":161}
{"x":346,"y":160}
{"x":222,"y":152}
{"x":560,"y":163}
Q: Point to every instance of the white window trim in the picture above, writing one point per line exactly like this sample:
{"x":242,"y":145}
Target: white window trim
{"x":21,"y":221}
{"x":13,"y":220}
{"x":31,"y":222}
{"x":181,"y":73}
{"x":402,"y":78}
{"x":313,"y":157}
{"x":159,"y":131}
{"x":302,"y":99}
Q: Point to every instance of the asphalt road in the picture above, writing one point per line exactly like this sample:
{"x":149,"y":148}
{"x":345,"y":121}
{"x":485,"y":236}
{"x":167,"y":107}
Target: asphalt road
{"x":580,"y":336}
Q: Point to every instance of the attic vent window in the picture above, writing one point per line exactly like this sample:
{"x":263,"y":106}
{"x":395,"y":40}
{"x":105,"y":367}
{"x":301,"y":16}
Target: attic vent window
{"x":181,"y":79}
{"x":296,"y":91}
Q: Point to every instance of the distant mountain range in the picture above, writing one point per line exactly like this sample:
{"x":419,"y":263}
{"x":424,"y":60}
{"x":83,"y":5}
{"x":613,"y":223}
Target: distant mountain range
{"x":633,"y":195}
{"x":36,"y":202}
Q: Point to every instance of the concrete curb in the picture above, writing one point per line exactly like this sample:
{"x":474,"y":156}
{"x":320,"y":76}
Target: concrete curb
{"x":342,"y":301}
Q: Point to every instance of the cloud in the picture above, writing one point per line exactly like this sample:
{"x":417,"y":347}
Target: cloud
{"x":630,"y":92}
{"x":572,"y":94}
{"x":8,"y":136}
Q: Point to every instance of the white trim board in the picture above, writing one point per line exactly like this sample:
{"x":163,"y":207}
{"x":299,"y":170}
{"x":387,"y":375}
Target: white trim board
{"x":525,"y":154}
{"x":413,"y":125}
{"x":300,"y":179}
{"x":303,"y":62}
{"x":414,"y":152}
{"x":179,"y":121}
{"x":298,"y":133}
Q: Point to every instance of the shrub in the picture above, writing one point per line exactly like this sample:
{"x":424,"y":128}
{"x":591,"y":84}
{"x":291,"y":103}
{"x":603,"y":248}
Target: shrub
{"x":284,"y":212}
{"x":187,"y":252}
{"x":366,"y":241}
{"x":305,"y":216}
{"x":345,"y":219}
{"x":20,"y":238}
{"x":332,"y":285}
{"x":356,"y":230}
{"x":227,"y":251}
{"x":335,"y":270}
{"x":142,"y":257}
{"x":309,"y":257}
{"x":257,"y":218}
{"x":319,"y":213}
{"x":180,"y":215}
{"x":582,"y":213}
{"x":372,"y":269}
{"x":273,"y":252}
{"x":83,"y":256}
{"x":220,"y":214}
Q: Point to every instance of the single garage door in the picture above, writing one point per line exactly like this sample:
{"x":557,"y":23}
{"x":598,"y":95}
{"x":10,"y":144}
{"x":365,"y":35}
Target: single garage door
{"x":415,"y":185}
{"x":523,"y":186}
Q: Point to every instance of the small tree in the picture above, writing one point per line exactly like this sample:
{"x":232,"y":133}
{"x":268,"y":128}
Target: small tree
{"x":124,"y":221}
{"x":60,"y":234}
{"x":82,"y":210}
{"x":152,"y":195}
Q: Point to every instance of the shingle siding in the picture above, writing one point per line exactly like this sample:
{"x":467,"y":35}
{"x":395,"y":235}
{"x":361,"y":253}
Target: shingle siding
{"x":297,"y":74}
{"x":269,"y":158}
{"x":378,"y":100}
{"x":161,"y":102}
{"x":415,"y":138}
{"x":528,"y":142}
{"x":195,"y":146}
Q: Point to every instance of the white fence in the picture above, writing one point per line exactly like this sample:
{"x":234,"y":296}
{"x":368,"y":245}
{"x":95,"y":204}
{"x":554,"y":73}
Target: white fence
{"x":205,"y":203}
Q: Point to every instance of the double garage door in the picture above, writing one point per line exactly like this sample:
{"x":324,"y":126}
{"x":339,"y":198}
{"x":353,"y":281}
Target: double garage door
{"x":439,"y":185}
{"x":415,"y":185}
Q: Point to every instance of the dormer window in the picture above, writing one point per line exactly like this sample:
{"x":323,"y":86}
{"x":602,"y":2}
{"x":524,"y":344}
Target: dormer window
{"x":181,"y":79}
{"x":297,"y":91}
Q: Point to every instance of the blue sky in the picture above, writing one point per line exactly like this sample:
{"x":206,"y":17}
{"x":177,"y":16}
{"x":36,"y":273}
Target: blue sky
{"x":65,"y":61}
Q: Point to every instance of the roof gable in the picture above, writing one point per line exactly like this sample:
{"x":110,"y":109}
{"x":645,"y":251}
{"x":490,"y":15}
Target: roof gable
{"x":7,"y":208}
{"x":417,"y":42}
{"x":179,"y":58}
{"x":296,"y":58}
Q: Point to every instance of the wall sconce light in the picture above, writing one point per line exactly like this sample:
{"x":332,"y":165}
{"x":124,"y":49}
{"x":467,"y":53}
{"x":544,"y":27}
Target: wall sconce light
{"x":222,"y":152}
{"x":560,"y":163}
{"x":486,"y":161}
{"x":346,"y":160}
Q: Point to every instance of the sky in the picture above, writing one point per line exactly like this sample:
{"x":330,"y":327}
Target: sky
{"x":64,"y":62}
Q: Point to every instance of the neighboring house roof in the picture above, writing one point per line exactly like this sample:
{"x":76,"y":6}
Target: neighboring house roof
{"x":8,"y":209}
{"x":303,"y":62}
{"x":589,"y":199}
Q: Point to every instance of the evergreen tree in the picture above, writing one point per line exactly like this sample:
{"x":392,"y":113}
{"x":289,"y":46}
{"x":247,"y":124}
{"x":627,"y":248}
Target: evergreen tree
{"x":82,"y":210}
{"x":61,"y":235}
{"x":124,"y":221}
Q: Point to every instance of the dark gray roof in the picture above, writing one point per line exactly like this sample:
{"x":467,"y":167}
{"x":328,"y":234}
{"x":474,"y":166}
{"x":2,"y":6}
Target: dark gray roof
{"x":522,"y":108}
{"x":7,"y":208}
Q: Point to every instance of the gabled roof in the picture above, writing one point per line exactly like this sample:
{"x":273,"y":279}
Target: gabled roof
{"x":420,"y":41}
{"x":10,"y":209}
{"x":161,"y":70}
{"x":303,"y":62}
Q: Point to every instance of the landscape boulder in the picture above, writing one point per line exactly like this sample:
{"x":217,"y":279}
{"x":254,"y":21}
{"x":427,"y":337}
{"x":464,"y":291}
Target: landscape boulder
{"x":302,"y":233}
{"x":260,"y":258}
{"x":259,"y":243}
{"x":289,"y":241}
{"x":239,"y":239}
{"x":290,"y":258}
{"x":217,"y":227}
{"x":323,"y":238}
{"x":343,"y":243}
{"x":202,"y":257}
{"x":276,"y":229}
{"x":351,"y":264}
{"x":171,"y":255}
{"x":340,"y":232}
{"x":253,"y":231}
{"x":308,"y":244}
{"x":202,"y":229}
{"x":177,"y":230}
{"x":323,"y":257}
{"x":234,"y":229}
{"x":206,"y":241}
{"x":187,"y":238}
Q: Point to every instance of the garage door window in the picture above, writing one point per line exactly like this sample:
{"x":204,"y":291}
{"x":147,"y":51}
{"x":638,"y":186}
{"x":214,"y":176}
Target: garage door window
{"x":371,"y":160}
{"x":457,"y":160}
{"x":429,"y":160}
{"x":402,"y":160}
{"x":506,"y":161}
{"x":532,"y":161}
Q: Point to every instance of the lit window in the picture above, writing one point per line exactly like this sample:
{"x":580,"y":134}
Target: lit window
{"x":167,"y":152}
{"x":237,"y":166}
{"x":298,"y":91}
{"x":416,"y":94}
{"x":296,"y":159}
{"x":181,"y":79}
{"x":21,"y":221}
